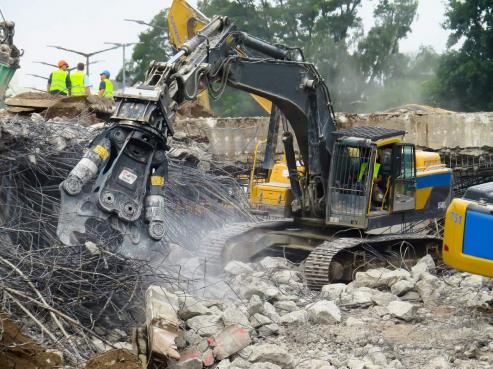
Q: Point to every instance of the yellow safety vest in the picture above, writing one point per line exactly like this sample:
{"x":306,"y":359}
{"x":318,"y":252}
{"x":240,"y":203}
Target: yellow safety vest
{"x":108,"y":91}
{"x":59,"y":81}
{"x":362,"y":169}
{"x":77,"y":81}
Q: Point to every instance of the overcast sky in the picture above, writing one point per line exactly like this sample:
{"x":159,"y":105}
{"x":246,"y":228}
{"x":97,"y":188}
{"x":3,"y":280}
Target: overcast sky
{"x":86,"y":25}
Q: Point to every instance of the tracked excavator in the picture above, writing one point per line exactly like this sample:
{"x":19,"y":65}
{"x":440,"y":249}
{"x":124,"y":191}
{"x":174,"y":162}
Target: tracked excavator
{"x":361,"y":190}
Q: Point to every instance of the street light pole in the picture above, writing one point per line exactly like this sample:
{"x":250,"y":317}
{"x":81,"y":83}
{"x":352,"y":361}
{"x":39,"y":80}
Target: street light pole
{"x":138,"y":21}
{"x":86,"y":55}
{"x":56,"y":66}
{"x":123,"y":45}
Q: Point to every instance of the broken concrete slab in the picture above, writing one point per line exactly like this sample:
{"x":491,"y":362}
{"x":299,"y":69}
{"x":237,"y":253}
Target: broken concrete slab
{"x":294,"y":318}
{"x":284,"y":307}
{"x":229,"y":341}
{"x":237,"y":267}
{"x":401,"y":287}
{"x":258,"y":320}
{"x":233,"y":315}
{"x":402,"y":310}
{"x":270,"y":353}
{"x":162,"y":321}
{"x":425,"y":265}
{"x":206,"y":325}
{"x":273,"y":263}
{"x":324,"y":312}
{"x":191,"y":307}
{"x":333,"y":291}
{"x":381,"y":277}
{"x":383,"y":298}
{"x":268,"y":330}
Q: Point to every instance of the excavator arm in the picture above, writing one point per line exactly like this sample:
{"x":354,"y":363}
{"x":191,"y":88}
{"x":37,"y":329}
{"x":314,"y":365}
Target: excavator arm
{"x":118,"y":186}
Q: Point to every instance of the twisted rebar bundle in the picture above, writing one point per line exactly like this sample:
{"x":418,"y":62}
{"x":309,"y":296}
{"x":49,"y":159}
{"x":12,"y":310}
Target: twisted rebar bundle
{"x":64,"y":293}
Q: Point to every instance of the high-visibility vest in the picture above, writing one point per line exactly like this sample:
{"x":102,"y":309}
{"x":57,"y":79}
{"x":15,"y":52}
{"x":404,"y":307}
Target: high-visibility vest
{"x":77,"y":81}
{"x":108,"y":91}
{"x":362,"y":169}
{"x":59,"y":81}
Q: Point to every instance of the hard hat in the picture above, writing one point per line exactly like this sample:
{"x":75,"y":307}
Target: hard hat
{"x":106,"y":73}
{"x":61,"y":63}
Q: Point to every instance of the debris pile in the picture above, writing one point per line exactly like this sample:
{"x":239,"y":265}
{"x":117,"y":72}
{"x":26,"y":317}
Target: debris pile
{"x":425,"y":317}
{"x":84,"y":299}
{"x":85,"y":110}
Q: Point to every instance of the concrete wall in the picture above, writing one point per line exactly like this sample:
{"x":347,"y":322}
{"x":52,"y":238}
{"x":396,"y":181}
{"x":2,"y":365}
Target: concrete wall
{"x":233,"y":138}
{"x":434,"y":130}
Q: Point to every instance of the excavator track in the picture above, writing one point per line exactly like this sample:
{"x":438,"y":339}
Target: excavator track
{"x":215,"y":242}
{"x":318,"y":264}
{"x":325,"y":263}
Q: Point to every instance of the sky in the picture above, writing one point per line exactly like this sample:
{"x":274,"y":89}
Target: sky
{"x":87,"y":25}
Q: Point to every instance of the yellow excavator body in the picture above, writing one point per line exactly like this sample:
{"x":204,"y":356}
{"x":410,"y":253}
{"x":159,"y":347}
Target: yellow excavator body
{"x":184,"y":21}
{"x":467,"y":241}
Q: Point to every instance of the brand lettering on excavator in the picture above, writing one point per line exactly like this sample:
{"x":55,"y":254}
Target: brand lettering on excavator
{"x":127,"y":176}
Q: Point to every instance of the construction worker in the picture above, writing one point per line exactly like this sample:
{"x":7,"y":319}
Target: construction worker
{"x":376,"y":193}
{"x":105,"y":86}
{"x":80,"y":82}
{"x":59,"y":81}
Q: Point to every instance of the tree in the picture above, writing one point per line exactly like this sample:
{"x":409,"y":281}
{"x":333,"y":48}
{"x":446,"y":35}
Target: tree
{"x":357,"y":68}
{"x":153,"y":45}
{"x":464,"y":76}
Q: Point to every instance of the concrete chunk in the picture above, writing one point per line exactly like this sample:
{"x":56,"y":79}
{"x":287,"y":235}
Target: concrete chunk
{"x":425,"y":265}
{"x":268,"y":352}
{"x":401,"y":287}
{"x":324,"y":312}
{"x":229,"y":341}
{"x":270,"y":263}
{"x":233,"y":316}
{"x":333,"y":291}
{"x":258,"y":320}
{"x":284,"y":307}
{"x":190,"y":307}
{"x":383,"y":298}
{"x":206,"y":325}
{"x":294,"y":318}
{"x":237,"y":267}
{"x":162,"y":321}
{"x":402,"y":310}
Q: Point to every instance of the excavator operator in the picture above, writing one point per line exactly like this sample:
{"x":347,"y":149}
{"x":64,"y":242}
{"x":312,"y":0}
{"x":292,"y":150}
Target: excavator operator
{"x":377,"y":192}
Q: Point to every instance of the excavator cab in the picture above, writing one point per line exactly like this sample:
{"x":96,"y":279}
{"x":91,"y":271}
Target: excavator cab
{"x":374,"y":180}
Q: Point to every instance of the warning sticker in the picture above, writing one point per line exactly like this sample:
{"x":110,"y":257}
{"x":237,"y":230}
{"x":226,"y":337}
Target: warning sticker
{"x":127,"y":176}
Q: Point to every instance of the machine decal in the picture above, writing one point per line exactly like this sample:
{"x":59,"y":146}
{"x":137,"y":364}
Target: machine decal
{"x":127,"y":176}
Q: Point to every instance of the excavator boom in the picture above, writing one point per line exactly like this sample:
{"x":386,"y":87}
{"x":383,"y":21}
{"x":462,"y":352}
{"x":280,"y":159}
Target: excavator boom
{"x":121,"y":178}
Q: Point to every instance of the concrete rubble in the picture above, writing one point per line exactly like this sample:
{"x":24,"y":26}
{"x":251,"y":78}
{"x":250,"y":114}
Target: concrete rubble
{"x":384,"y":319}
{"x":421,"y":317}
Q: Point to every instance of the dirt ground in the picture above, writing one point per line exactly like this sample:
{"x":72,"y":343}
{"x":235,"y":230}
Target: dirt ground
{"x":114,"y":359}
{"x":19,"y":352}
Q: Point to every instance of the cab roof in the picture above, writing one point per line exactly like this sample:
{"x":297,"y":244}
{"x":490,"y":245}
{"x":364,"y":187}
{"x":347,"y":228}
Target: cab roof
{"x":371,"y":133}
{"x":480,"y":192}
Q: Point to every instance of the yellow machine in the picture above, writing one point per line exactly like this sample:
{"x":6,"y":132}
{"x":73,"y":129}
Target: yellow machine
{"x":184,"y":22}
{"x":273,"y":197}
{"x":354,"y":204}
{"x":468,"y":240}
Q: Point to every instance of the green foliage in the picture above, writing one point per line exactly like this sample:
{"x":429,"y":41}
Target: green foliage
{"x":363,"y":72}
{"x":153,"y":45}
{"x":330,"y":32}
{"x":464,"y":77}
